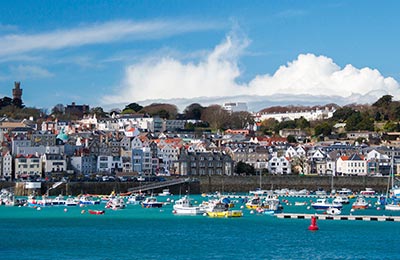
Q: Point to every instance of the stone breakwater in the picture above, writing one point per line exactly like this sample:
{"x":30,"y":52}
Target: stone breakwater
{"x":206,"y":184}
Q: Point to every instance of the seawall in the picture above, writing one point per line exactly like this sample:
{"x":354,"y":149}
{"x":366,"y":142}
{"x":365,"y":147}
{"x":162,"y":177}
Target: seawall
{"x":205,"y":184}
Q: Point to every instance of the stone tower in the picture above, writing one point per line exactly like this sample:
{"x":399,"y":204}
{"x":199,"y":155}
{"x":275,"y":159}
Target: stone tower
{"x":17,"y":91}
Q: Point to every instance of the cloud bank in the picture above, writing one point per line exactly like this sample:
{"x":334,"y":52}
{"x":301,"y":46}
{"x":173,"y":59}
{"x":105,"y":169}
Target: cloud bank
{"x":216,"y":76}
{"x":12,"y":44}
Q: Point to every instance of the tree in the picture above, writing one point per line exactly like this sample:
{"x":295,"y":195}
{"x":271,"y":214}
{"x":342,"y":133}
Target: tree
{"x":240,"y":120}
{"x":166,"y":111}
{"x":193,"y":111}
{"x":269,"y":125}
{"x":291,"y":139}
{"x":135,"y":107}
{"x":242,"y":167}
{"x":343,"y":113}
{"x":216,"y":116}
{"x":384,"y":101}
{"x":58,"y":109}
{"x":324,"y":128}
{"x":98,"y":111}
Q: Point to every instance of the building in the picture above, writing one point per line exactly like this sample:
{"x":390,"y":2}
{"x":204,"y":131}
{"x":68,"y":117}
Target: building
{"x":203,"y":163}
{"x":76,"y":110}
{"x":351,"y":165}
{"x":235,"y":107}
{"x":27,"y":167}
{"x":142,"y":160}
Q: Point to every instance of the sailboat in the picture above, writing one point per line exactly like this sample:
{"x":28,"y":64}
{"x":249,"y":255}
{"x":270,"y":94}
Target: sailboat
{"x":392,"y":203}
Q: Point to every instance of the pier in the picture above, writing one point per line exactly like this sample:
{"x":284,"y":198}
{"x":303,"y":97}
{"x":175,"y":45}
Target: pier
{"x":159,"y":185}
{"x":338,"y":217}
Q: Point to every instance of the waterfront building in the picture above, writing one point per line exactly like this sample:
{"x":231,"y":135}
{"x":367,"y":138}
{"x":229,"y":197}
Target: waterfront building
{"x":109,"y":164}
{"x":27,"y":166}
{"x":279,"y":165}
{"x":6,"y":165}
{"x":54,"y":164}
{"x":203,"y":163}
{"x":141,"y":160}
{"x":83,"y":163}
{"x":351,"y":165}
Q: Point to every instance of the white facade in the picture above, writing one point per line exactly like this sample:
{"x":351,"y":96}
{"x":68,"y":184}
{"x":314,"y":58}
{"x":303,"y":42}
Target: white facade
{"x":27,"y":166}
{"x":235,"y":106}
{"x":353,"y":165}
{"x":54,"y":163}
{"x":310,"y":115}
{"x":106,"y":164}
{"x":7,"y":165}
{"x":279,"y":165}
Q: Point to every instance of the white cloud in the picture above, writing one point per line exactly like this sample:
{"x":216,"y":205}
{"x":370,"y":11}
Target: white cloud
{"x":216,"y":74}
{"x":27,"y":71}
{"x":94,"y":34}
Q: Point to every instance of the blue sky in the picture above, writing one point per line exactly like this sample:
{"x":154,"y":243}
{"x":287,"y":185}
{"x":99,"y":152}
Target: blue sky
{"x":112,"y":53}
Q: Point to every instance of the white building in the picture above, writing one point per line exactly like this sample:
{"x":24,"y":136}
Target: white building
{"x":6,"y":170}
{"x":279,"y":165}
{"x":351,"y":165}
{"x":310,"y":115}
{"x":235,"y":106}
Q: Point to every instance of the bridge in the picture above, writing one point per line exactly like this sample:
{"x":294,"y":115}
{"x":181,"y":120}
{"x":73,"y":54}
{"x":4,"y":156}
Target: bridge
{"x":159,"y":185}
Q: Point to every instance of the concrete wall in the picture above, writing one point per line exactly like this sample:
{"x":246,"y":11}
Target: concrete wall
{"x":211,"y":184}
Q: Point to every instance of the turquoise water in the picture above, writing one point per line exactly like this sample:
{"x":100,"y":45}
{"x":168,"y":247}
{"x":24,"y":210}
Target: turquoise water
{"x":137,"y":233}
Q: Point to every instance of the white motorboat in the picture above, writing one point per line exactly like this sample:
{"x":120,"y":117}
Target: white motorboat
{"x":165,"y":192}
{"x":341,"y":199}
{"x":184,"y":206}
{"x":322,"y":203}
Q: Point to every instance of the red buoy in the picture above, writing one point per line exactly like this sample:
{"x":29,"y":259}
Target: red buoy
{"x":313,"y":226}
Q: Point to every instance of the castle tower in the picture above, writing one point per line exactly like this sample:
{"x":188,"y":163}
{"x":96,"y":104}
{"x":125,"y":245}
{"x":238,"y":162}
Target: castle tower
{"x":17,"y":95}
{"x":17,"y":91}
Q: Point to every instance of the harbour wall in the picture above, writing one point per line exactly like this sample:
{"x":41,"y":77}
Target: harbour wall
{"x":210,"y":184}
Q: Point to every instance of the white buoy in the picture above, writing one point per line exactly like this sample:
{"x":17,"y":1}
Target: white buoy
{"x":242,"y":207}
{"x":168,"y":199}
{"x":352,"y":210}
{"x":251,"y":211}
{"x":38,"y":208}
{"x":308,"y":207}
{"x":204,"y":214}
{"x":65,"y":210}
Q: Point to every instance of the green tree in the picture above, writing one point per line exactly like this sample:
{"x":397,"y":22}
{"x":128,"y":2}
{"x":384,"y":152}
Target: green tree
{"x":134,"y":107}
{"x":324,"y":128}
{"x":193,"y":111}
{"x":244,"y":168}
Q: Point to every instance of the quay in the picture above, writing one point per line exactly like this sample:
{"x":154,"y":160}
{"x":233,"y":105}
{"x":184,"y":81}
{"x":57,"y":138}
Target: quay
{"x":338,"y":217}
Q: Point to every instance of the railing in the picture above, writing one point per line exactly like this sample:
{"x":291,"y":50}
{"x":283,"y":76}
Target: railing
{"x":158,"y":185}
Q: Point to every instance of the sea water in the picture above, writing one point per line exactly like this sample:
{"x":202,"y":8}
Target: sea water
{"x":141,"y":233}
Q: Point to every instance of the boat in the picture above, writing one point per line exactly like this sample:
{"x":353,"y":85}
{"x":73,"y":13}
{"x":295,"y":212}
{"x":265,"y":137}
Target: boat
{"x":135,"y":199}
{"x":58,"y":201}
{"x":96,"y":212}
{"x":259,"y":192}
{"x":115,"y":203}
{"x":345,"y":192}
{"x":368,"y":192}
{"x":322,"y":203}
{"x":165,"y":192}
{"x":360,"y":203}
{"x":88,"y":200}
{"x":70,"y":202}
{"x":300,"y":203}
{"x":7,"y":198}
{"x":220,"y":210}
{"x":342,"y":199}
{"x":391,"y":202}
{"x":184,"y":206}
{"x":151,"y":202}
{"x":333,"y":211}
